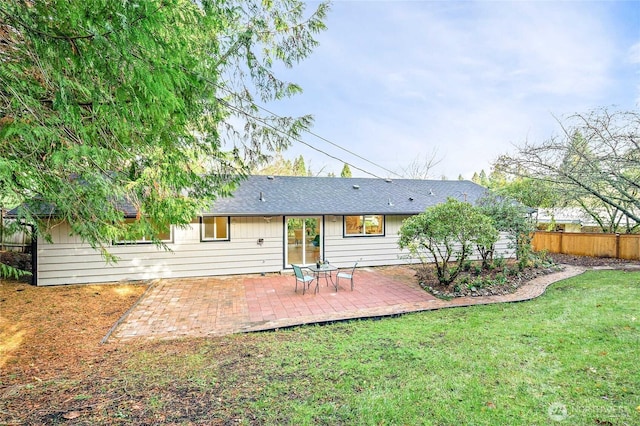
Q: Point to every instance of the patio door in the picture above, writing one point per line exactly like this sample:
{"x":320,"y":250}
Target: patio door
{"x":303,"y":240}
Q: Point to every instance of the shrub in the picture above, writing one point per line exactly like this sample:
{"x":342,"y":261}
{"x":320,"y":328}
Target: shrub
{"x":499,"y":262}
{"x":477,"y":269}
{"x":446,"y":234}
{"x":466,"y":266}
{"x":500,"y":279}
{"x":511,"y":272}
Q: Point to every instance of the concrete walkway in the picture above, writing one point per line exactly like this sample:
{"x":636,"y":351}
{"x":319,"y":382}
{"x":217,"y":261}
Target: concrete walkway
{"x":214,"y":306}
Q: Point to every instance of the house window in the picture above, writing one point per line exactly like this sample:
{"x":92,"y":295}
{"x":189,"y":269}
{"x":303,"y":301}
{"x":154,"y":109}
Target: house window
{"x":214,"y":228}
{"x":164,"y":234}
{"x":364,"y":225}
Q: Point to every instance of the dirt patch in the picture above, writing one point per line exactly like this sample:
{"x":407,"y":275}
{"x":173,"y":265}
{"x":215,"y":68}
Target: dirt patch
{"x":56,"y":331}
{"x":592,"y":262}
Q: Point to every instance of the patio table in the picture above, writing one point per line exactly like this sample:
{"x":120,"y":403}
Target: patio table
{"x":325,"y":270}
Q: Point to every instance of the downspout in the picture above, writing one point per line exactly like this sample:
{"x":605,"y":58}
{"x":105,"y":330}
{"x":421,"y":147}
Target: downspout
{"x":34,"y":256}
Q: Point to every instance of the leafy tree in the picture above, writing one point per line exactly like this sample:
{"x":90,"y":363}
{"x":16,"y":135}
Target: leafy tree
{"x":277,"y":166}
{"x":346,"y":171}
{"x":483,"y":179}
{"x":445,"y":233}
{"x":510,"y":217}
{"x":530,"y":192}
{"x":146,"y":103}
{"x":280,"y":166}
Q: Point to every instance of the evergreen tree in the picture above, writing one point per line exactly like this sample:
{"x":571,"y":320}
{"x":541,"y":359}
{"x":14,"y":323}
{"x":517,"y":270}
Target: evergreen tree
{"x":299,"y":168}
{"x":346,"y":171}
{"x":138,"y":102}
{"x":484,"y":181}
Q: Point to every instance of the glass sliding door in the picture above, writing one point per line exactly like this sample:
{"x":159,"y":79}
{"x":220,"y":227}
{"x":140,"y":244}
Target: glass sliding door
{"x":303,"y":240}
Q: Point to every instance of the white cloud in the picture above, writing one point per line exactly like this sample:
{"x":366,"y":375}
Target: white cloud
{"x":395,"y":80}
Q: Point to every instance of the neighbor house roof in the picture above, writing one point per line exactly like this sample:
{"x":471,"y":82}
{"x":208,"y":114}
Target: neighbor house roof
{"x":302,"y":195}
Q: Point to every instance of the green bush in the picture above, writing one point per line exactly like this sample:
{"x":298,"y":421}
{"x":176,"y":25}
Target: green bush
{"x":477,"y":269}
{"x":499,"y":262}
{"x":500,"y":279}
{"x":466,"y":265}
{"x":446,"y":234}
{"x":511,"y":272}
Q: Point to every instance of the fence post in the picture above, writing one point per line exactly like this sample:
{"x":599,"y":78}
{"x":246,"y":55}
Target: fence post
{"x":617,"y":245}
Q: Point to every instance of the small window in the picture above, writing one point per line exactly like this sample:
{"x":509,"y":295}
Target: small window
{"x":214,"y":228}
{"x":164,"y":235}
{"x":364,"y":225}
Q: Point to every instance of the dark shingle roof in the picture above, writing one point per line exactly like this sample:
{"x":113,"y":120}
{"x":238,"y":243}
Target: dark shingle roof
{"x":295,"y":195}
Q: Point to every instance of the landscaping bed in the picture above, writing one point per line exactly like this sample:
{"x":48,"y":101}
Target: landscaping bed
{"x":475,"y":282}
{"x":508,"y":277}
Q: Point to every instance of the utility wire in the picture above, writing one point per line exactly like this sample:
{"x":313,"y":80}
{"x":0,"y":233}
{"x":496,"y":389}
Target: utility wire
{"x":321,"y":138}
{"x":409,"y":190}
{"x":270,"y":126}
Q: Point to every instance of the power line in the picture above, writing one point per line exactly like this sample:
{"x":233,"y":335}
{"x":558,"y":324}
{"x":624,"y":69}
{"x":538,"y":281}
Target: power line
{"x":323,"y":139}
{"x":264,"y":123}
{"x":405,"y":188}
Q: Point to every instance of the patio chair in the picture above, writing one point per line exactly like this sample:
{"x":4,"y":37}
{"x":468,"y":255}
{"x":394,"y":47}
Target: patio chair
{"x":300,"y":277}
{"x":348,"y":275}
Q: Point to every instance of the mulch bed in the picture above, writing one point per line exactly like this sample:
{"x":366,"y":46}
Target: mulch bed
{"x":464,"y":282}
{"x":591,"y":262}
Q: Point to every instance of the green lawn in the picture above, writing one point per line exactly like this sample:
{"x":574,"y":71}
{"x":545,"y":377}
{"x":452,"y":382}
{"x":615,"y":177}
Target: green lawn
{"x":571,"y":355}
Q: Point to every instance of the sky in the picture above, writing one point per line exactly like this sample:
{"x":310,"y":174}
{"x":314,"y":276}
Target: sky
{"x":397,"y":82}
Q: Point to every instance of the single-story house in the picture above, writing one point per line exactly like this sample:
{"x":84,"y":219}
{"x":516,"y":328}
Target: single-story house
{"x":268,"y":224}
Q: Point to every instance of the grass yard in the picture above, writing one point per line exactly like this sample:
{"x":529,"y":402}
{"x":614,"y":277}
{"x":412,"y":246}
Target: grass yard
{"x":569,"y":357}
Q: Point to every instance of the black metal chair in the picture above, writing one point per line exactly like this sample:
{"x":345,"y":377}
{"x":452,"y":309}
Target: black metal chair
{"x":347,"y":275}
{"x":301,"y":277}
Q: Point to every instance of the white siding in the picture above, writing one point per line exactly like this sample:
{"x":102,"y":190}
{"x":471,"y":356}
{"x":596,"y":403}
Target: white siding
{"x":366,"y":250}
{"x":69,"y":261}
{"x":378,"y":250}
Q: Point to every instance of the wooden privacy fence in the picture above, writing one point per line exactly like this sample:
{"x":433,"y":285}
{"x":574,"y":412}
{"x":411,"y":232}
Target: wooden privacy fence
{"x":621,"y":246}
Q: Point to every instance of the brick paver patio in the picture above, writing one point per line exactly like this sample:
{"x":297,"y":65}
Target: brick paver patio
{"x":223,"y":305}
